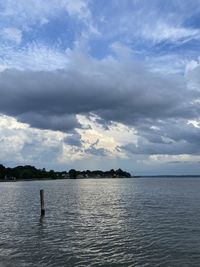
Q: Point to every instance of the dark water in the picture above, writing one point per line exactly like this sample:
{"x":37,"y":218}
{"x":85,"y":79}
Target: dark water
{"x":121,"y":222}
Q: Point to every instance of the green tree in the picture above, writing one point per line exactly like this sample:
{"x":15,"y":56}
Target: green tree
{"x":2,"y":171}
{"x":72,"y":174}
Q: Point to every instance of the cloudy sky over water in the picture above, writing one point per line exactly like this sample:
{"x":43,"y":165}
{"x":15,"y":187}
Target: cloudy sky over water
{"x":98,"y":84}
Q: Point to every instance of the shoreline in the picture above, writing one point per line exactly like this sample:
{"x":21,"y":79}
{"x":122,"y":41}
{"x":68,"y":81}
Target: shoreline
{"x":97,"y":178}
{"x":54,"y":179}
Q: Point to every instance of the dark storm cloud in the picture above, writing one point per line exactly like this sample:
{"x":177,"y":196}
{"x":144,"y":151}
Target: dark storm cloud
{"x":104,"y":123}
{"x":144,"y":147}
{"x":127,"y":99}
{"x":64,"y":122}
{"x":167,"y":137}
{"x":115,"y":91}
{"x":96,"y":151}
{"x":93,"y":150}
{"x":74,"y":139}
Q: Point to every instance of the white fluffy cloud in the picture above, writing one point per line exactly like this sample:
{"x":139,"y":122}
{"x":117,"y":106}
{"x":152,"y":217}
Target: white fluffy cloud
{"x":161,"y":32}
{"x":12,"y":34}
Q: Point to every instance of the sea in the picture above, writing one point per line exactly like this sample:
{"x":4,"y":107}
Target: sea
{"x":101,"y":222}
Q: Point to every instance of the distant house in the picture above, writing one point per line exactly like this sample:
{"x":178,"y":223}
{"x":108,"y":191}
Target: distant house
{"x":79,"y":176}
{"x":65,"y":175}
{"x":9,"y":178}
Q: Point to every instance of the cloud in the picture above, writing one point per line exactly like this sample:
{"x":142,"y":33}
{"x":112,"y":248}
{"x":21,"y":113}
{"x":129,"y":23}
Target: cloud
{"x":191,"y":65}
{"x":94,"y":150}
{"x":12,"y":34}
{"x":144,"y":147}
{"x":73,"y":139}
{"x":192,"y":74}
{"x":20,"y":144}
{"x":150,"y":25}
{"x":165,"y":32}
{"x":33,"y":11}
{"x":35,"y":56}
{"x":63,"y":122}
{"x":29,"y":18}
{"x":174,"y":159}
{"x":167,"y":138}
{"x":115,"y":89}
{"x":78,"y":7}
{"x":67,"y":80}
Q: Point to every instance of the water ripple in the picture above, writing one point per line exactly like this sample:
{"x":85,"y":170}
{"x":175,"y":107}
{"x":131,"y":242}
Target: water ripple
{"x":122,"y":222}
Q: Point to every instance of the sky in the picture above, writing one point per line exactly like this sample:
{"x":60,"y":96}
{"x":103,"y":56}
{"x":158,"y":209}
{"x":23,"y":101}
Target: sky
{"x":101,"y":84}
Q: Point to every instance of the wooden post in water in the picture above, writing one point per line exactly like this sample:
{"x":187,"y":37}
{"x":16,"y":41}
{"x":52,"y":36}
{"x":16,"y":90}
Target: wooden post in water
{"x":42,"y":202}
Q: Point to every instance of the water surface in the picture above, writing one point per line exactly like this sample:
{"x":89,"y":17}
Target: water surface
{"x":101,"y":222}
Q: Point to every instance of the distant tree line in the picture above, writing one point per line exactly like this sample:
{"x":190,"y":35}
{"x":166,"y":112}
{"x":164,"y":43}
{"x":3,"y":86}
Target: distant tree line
{"x":31,"y":172}
{"x":102,"y":174}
